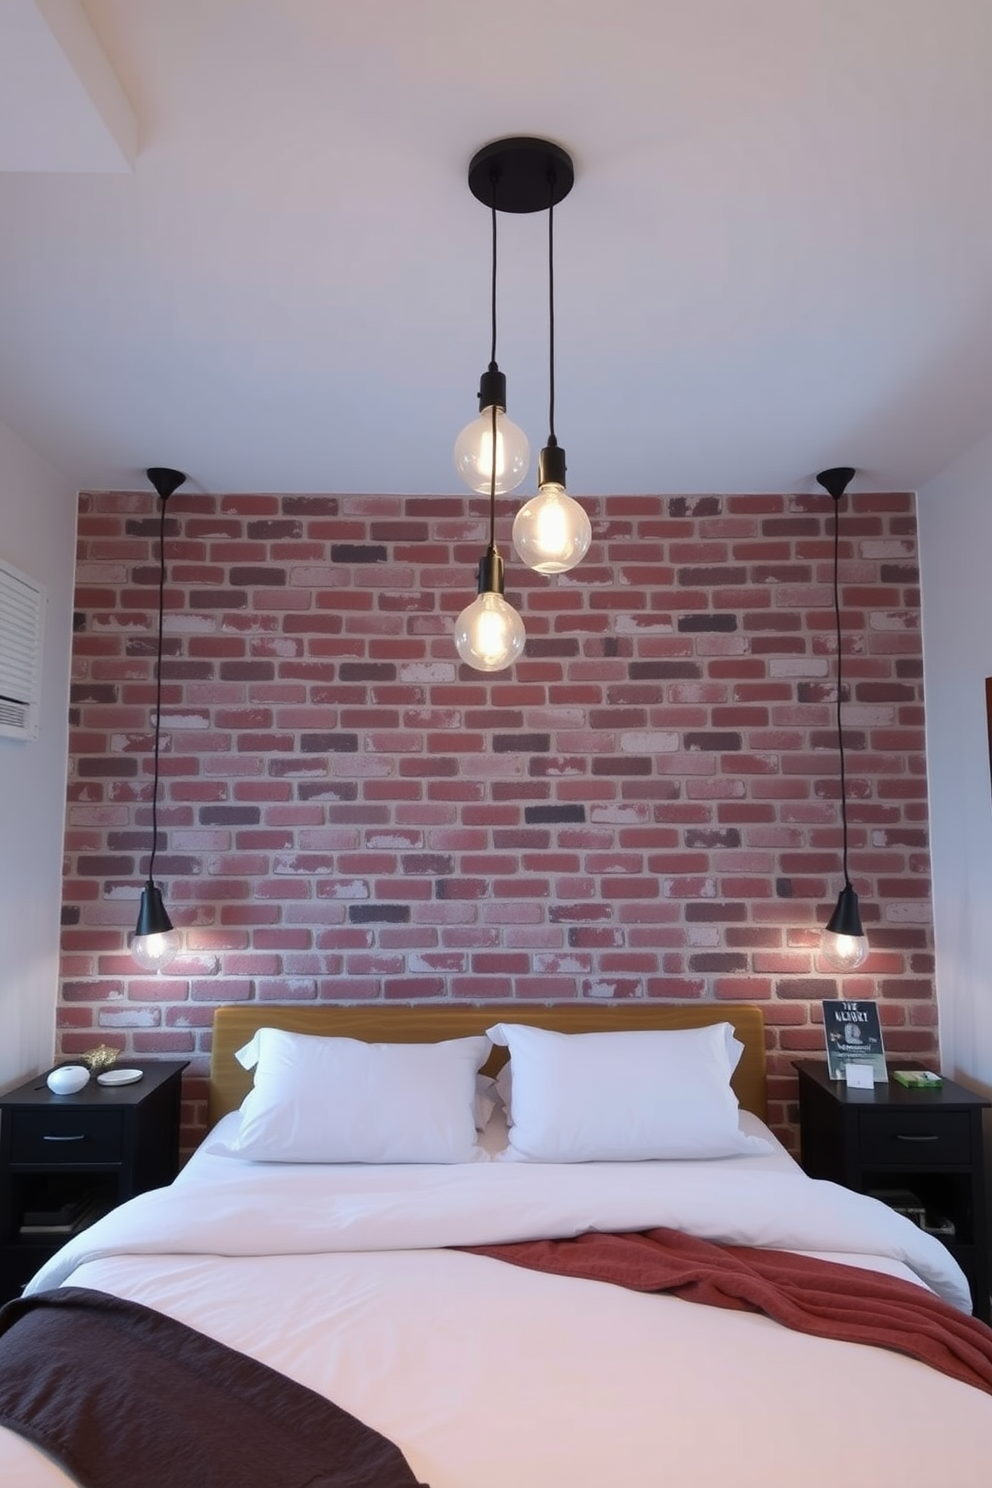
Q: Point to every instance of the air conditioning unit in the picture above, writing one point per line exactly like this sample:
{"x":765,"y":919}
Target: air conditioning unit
{"x":22,"y":625}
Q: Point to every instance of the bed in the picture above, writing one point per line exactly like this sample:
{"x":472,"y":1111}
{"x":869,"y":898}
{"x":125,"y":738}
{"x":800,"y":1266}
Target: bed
{"x":364,"y":1280}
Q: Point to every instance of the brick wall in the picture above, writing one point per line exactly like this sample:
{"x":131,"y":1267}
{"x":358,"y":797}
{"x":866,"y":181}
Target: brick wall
{"x":646,"y":806}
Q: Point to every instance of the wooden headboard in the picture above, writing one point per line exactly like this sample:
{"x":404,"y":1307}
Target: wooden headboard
{"x":402,"y":1023}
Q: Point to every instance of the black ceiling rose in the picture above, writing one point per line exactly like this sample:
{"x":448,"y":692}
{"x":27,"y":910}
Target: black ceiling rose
{"x":521,"y":174}
{"x":165,"y":480}
{"x":837,"y":479}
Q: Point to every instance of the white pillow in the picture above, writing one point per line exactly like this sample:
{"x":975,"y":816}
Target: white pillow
{"x":340,"y":1100}
{"x":624,"y":1096}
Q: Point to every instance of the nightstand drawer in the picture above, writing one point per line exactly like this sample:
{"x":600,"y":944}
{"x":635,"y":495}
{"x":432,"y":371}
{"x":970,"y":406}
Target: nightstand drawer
{"x":915,"y":1137}
{"x":77,"y":1135}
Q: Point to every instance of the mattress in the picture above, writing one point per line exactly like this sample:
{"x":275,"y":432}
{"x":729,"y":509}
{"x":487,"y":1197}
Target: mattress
{"x":485,"y":1374}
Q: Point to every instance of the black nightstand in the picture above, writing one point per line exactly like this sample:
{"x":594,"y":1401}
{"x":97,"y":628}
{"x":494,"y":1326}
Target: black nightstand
{"x":924,"y":1143}
{"x":82,"y":1155}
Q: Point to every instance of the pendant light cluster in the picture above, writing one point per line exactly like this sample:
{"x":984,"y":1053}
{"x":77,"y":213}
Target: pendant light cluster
{"x":155,"y":944}
{"x":843,"y":944}
{"x":551,"y":532}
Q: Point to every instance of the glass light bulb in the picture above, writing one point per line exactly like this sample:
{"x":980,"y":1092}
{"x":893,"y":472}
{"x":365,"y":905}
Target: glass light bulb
{"x":843,"y":952}
{"x":552,"y":532}
{"x":156,"y":952}
{"x":474,"y":453}
{"x":489,"y":634}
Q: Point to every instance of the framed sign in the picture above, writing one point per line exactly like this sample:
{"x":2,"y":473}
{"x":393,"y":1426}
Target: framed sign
{"x":853,"y":1036}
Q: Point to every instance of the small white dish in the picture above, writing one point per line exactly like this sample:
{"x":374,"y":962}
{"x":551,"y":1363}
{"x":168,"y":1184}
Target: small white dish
{"x":67,"y":1079}
{"x":119,"y":1077}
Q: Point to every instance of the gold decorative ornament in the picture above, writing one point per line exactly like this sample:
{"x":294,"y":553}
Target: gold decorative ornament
{"x":99,"y":1059}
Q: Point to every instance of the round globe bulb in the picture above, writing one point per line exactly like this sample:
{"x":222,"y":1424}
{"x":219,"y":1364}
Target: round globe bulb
{"x":474,"y":453}
{"x":843,"y":952}
{"x":552,"y":532}
{"x":489,"y":634}
{"x":156,"y":952}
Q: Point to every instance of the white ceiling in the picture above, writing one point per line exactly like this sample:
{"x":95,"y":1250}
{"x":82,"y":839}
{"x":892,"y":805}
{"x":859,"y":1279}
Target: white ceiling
{"x":236,"y":237}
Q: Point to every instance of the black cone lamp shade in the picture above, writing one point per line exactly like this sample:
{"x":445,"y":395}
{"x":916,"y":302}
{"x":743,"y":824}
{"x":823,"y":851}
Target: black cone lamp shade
{"x":155,"y":943}
{"x":843,"y":944}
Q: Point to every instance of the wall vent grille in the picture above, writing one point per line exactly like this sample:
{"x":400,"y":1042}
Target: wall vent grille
{"x":22,"y":621}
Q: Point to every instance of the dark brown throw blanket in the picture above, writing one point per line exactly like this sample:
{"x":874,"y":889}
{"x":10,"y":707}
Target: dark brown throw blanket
{"x":125,"y":1397}
{"x":825,"y":1298}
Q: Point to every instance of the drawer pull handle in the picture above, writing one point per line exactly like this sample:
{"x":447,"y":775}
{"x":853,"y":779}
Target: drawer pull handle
{"x":925,"y":1137}
{"x":80,"y":1138}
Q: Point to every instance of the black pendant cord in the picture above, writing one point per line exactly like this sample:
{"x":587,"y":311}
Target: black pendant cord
{"x":492,"y":343}
{"x":492,"y":487}
{"x":840,"y":683}
{"x":493,"y":367}
{"x":551,"y":312}
{"x":158,"y":688}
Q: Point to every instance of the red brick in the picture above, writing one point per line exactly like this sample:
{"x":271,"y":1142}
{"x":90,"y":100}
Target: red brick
{"x":407,"y":770}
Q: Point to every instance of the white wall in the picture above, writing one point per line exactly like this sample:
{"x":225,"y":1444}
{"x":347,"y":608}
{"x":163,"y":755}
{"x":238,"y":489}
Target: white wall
{"x":38,"y":536}
{"x":955,"y":527}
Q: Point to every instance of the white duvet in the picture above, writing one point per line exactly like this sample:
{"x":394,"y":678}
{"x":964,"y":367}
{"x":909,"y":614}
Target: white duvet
{"x":490,"y":1376}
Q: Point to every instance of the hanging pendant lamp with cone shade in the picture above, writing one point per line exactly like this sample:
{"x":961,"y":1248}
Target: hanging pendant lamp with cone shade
{"x":843,"y":944}
{"x":155,"y":943}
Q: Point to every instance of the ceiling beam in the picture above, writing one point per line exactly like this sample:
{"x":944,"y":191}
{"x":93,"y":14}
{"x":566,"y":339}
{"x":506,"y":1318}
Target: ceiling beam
{"x":61,"y":106}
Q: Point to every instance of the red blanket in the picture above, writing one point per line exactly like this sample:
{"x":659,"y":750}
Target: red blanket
{"x":825,"y":1298}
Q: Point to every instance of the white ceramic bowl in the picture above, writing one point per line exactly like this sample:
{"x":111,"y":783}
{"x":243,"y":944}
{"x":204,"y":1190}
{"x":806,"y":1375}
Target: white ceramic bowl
{"x":68,"y":1078}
